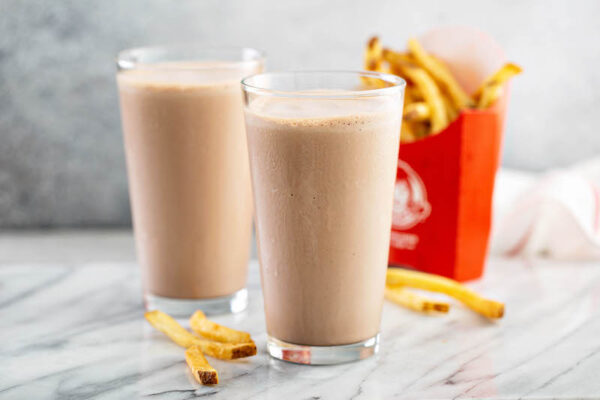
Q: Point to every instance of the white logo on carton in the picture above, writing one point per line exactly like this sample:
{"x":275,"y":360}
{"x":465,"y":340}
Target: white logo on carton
{"x":404,"y":240}
{"x":410,"y":198}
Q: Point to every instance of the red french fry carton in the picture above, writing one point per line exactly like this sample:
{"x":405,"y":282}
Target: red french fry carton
{"x":445,"y":182}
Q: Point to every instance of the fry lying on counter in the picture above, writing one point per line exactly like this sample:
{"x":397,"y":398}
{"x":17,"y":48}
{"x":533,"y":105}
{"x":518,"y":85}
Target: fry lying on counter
{"x":398,"y":281}
{"x":224,"y":343}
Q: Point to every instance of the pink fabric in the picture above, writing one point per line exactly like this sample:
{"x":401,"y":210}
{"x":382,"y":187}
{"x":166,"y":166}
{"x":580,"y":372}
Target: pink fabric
{"x":554,"y":214}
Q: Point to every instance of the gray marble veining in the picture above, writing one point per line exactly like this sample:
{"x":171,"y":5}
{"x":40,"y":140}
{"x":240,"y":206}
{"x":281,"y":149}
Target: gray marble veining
{"x":77,"y":332}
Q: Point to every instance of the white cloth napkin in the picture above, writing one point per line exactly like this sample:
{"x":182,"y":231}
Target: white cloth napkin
{"x":554,"y":214}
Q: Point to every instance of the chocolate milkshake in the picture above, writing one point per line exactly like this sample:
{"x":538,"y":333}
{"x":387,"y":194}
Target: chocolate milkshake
{"x":187,"y":162}
{"x":323,"y":171}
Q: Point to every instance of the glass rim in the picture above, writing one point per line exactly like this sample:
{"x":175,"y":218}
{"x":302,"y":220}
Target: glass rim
{"x":397,"y":84}
{"x":127,"y":59}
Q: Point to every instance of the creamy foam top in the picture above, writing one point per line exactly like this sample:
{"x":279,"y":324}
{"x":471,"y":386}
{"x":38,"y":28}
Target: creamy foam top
{"x":185,"y":75}
{"x":310,"y":111}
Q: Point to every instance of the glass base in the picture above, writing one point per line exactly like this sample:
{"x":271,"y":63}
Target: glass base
{"x":232,"y":303}
{"x":322,"y":355}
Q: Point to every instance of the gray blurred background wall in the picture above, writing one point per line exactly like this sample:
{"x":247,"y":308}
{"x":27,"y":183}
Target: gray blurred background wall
{"x":61,"y":157}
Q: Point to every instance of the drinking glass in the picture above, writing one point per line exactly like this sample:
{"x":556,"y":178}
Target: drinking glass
{"x":189,"y":182}
{"x":323,"y":157}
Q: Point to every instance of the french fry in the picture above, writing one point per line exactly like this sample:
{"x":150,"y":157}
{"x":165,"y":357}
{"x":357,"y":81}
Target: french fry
{"x":373,"y":61}
{"x":373,"y":54}
{"x":490,"y":89}
{"x":416,"y":111}
{"x":227,"y":351}
{"x":451,"y":111}
{"x":406,"y":133}
{"x":404,"y":297}
{"x":420,"y":128}
{"x":203,"y":372}
{"x":412,"y":94}
{"x":440,"y":74}
{"x":422,"y":88}
{"x":430,"y":91}
{"x":394,"y":57}
{"x":420,"y":280}
{"x":489,"y":96}
{"x":167,"y":325}
{"x":178,"y":334}
{"x":211,"y":330}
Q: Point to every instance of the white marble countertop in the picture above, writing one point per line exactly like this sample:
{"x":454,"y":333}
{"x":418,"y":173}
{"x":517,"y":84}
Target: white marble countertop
{"x":72,"y":327}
